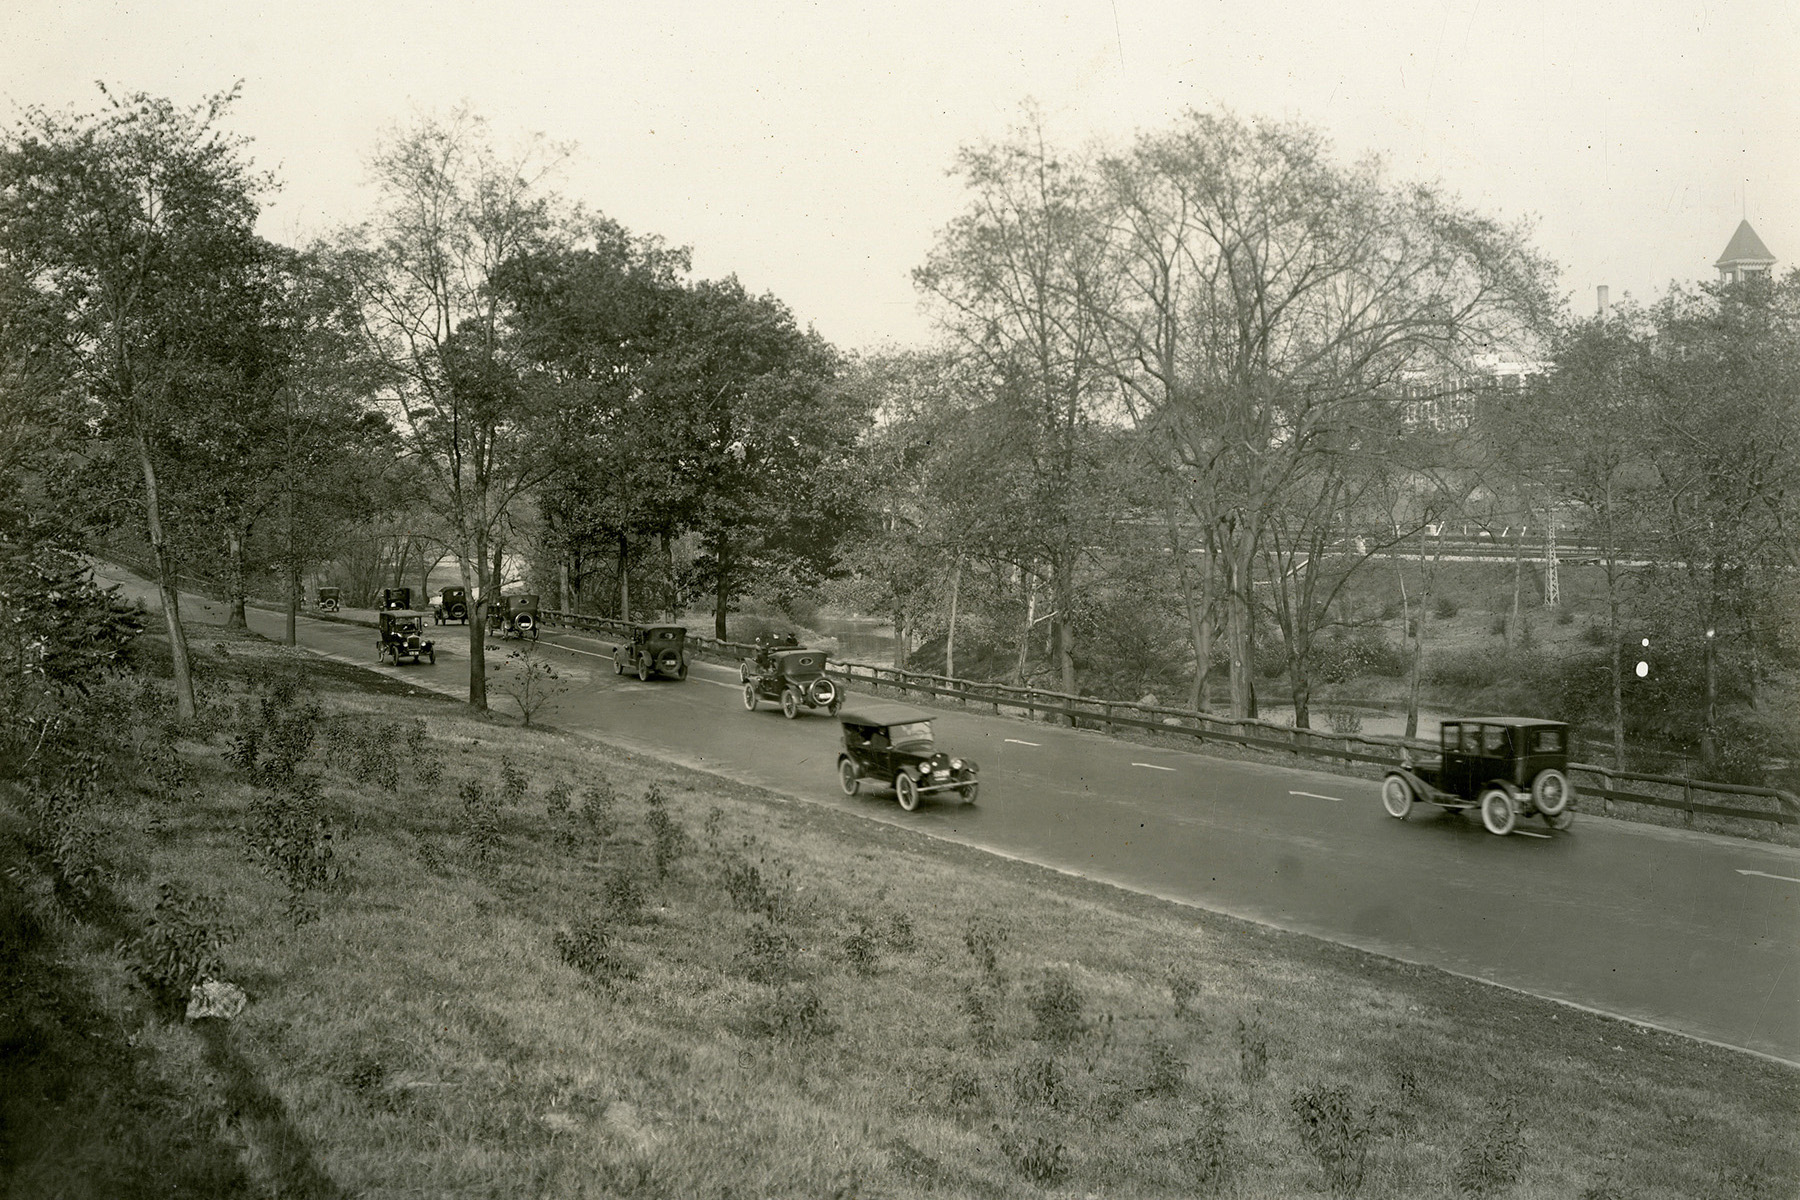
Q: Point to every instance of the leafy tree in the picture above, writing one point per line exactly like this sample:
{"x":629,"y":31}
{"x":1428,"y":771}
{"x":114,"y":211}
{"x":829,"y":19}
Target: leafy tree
{"x":132,"y":224}
{"x":453,"y":213}
{"x":1274,"y":304}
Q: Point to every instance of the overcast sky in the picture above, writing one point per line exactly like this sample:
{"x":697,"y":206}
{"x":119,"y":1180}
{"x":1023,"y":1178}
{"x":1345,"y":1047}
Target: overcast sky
{"x":805,"y":146}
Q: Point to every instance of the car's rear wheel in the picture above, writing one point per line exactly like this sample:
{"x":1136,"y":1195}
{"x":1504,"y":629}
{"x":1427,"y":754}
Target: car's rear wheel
{"x":743,"y":673}
{"x":643,"y":671}
{"x":969,"y":792}
{"x":1561,"y":820}
{"x":906,"y":792}
{"x":849,"y":778}
{"x":1498,"y":812}
{"x":750,"y":697}
{"x":790,"y":703}
{"x":1396,"y":797}
{"x":681,"y":672}
{"x":618,"y":664}
{"x":1551,"y":792}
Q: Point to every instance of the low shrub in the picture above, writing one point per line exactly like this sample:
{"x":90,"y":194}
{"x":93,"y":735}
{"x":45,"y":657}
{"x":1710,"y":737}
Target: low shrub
{"x":1493,"y":1154}
{"x":770,"y":955}
{"x":1445,"y":608}
{"x":182,"y":943}
{"x":1337,"y":659}
{"x":795,"y":1014}
{"x":1039,"y":1083}
{"x":1208,"y":1152}
{"x":594,"y":948}
{"x":1164,"y":1068}
{"x":1043,"y":1160}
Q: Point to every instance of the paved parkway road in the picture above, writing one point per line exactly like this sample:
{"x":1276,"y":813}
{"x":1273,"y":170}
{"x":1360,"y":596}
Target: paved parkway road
{"x":1689,"y":932}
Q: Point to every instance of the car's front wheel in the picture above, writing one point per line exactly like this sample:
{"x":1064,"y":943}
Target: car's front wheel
{"x":969,"y":791}
{"x":681,"y":672}
{"x":1396,"y":797}
{"x":906,"y":792}
{"x":1561,"y":820}
{"x":643,"y":671}
{"x":618,"y":664}
{"x":750,"y":697}
{"x":1498,"y":812}
{"x":790,"y":704}
{"x":849,"y":778}
{"x":1551,"y":792}
{"x":743,"y":673}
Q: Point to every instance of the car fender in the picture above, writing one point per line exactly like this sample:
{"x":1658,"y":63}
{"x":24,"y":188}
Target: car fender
{"x":1420,"y":788}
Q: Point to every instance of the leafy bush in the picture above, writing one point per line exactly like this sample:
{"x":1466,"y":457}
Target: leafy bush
{"x":1039,"y":1083}
{"x":1469,"y":670}
{"x":592,"y":947}
{"x":1335,"y":1133}
{"x":862,"y":950}
{"x":795,"y":1014}
{"x":1344,"y":720}
{"x":1183,"y":989}
{"x":512,"y":782}
{"x":623,"y":895}
{"x":669,"y":839}
{"x":1338,"y":659}
{"x":981,"y":1004}
{"x":291,"y":837}
{"x":1208,"y":1151}
{"x":1164,"y":1068}
{"x":182,"y":943}
{"x":480,"y":821}
{"x":1445,"y":608}
{"x":770,"y":955}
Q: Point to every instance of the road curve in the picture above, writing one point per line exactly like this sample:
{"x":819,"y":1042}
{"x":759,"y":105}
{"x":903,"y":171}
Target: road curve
{"x":1694,"y":933}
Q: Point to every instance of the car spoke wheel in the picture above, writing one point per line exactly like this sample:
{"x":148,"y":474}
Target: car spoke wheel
{"x":743,"y":673}
{"x":837,"y":702}
{"x":643,"y":671}
{"x":1561,"y":820}
{"x":907,"y":792}
{"x":1551,"y":792}
{"x":849,"y":778}
{"x":1396,"y":797}
{"x":1498,"y":812}
{"x":790,"y":704}
{"x":682,"y":672}
{"x":618,"y":664}
{"x":750,"y":697}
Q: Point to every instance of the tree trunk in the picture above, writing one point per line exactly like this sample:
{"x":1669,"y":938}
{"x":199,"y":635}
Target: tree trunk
{"x":1062,"y":630}
{"x":290,"y":561}
{"x":1024,"y":659}
{"x":1239,"y":637}
{"x":564,"y":600}
{"x":950,"y":634}
{"x":721,"y":587}
{"x":1709,"y":739}
{"x":668,"y":549}
{"x":624,"y":579}
{"x":1512,"y":626}
{"x":291,"y":637}
{"x":234,"y":577}
{"x":169,"y":586}
{"x":475,"y":551}
{"x":902,"y":639}
{"x":1417,"y":627}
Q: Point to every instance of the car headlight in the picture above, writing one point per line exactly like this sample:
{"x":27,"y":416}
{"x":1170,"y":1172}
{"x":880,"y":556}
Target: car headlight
{"x":925,"y":770}
{"x":956,"y":764}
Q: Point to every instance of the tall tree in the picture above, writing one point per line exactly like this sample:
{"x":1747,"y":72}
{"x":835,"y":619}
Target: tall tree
{"x":134,"y":221}
{"x":454,"y":211}
{"x":1275,"y":298}
{"x":1022,"y":280}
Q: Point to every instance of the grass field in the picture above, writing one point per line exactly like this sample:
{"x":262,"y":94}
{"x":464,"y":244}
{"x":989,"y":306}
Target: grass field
{"x":486,"y":961}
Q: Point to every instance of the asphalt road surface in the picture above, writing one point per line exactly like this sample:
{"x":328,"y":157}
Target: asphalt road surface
{"x":1689,"y":932}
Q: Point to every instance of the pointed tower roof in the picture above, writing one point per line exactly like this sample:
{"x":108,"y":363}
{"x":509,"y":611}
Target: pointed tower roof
{"x":1745,"y":248}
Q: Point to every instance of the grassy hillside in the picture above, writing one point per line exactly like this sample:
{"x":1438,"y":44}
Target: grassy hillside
{"x":481,"y":960}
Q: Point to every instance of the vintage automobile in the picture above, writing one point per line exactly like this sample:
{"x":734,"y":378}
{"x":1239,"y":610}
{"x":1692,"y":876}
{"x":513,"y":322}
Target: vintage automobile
{"x":402,"y":635}
{"x":518,"y":617}
{"x":892,"y":744}
{"x":400,"y":597}
{"x":653,"y":650}
{"x":329,"y":599}
{"x":793,"y":678}
{"x":452,"y":605}
{"x":1507,"y":767}
{"x":766,"y":645}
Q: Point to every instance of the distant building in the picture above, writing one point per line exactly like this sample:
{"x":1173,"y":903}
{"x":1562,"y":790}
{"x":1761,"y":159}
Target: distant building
{"x":1745,"y":257}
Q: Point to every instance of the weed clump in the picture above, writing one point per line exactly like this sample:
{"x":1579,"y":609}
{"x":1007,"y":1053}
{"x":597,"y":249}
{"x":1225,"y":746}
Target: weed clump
{"x":1043,"y":1160}
{"x":480,"y":822}
{"x":1056,"y":1008}
{"x":669,"y":840}
{"x":1335,"y":1133}
{"x":1183,"y":990}
{"x":794,"y":1014}
{"x":1494,"y":1152}
{"x":512,"y":782}
{"x":293,"y":840}
{"x":1253,"y":1051}
{"x":1207,"y":1152}
{"x":1164,"y":1068}
{"x":862,"y":950}
{"x":769,"y":955}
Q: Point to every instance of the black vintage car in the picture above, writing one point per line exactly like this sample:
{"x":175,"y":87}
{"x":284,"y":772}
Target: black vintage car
{"x":329,"y":599}
{"x":402,"y":635}
{"x":400,"y":597}
{"x":1507,"y":767}
{"x":892,"y":744}
{"x":766,"y":645}
{"x":793,"y":679}
{"x":518,"y":617}
{"x":452,"y":605}
{"x":653,"y":650}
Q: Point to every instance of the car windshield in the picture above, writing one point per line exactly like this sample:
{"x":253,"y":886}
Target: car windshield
{"x":912,"y":735}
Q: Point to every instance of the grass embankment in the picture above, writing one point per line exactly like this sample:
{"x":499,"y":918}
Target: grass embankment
{"x":488,"y":961}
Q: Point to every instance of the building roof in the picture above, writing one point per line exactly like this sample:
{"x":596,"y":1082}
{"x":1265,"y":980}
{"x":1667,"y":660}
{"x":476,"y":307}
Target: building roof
{"x":1745,"y":247}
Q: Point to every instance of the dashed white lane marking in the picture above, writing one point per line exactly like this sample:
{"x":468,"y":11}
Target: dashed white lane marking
{"x":1023,"y":742}
{"x":1317,"y":796}
{"x":1766,"y":875}
{"x":1153,"y":766}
